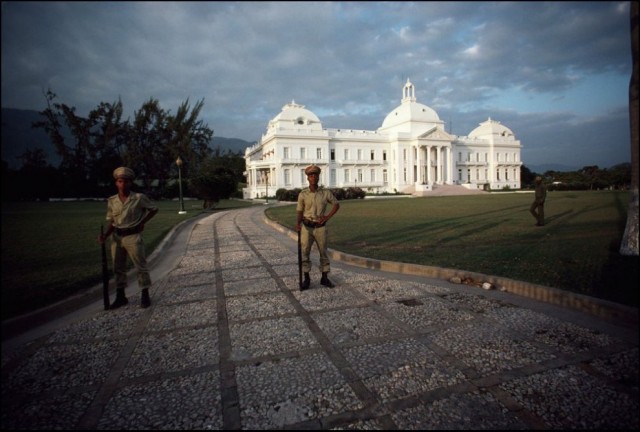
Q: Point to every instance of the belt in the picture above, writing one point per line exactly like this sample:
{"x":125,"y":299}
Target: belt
{"x":123,"y":232}
{"x":311,"y":224}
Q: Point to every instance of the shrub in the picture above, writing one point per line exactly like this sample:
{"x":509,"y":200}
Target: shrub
{"x":340,"y":193}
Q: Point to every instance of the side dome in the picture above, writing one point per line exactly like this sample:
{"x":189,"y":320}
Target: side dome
{"x":491,"y":128}
{"x":295,"y":116}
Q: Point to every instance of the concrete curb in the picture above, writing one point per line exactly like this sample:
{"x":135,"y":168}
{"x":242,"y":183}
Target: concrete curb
{"x":591,"y":305}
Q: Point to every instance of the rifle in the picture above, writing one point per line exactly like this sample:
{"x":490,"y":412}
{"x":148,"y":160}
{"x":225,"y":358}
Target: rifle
{"x":299,"y":262}
{"x":105,"y":273}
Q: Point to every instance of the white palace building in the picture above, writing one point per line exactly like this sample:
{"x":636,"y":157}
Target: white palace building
{"x":410,"y":153}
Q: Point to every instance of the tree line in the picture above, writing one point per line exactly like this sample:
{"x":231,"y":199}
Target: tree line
{"x":150,"y":144}
{"x":586,"y":178}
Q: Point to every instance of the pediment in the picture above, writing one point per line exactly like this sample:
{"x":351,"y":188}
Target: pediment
{"x":436,"y":134}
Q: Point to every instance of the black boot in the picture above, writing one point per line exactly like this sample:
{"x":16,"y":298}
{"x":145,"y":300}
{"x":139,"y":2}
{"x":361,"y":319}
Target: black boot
{"x":145,"y":301}
{"x":325,"y":280}
{"x":305,"y":283}
{"x":120,"y":300}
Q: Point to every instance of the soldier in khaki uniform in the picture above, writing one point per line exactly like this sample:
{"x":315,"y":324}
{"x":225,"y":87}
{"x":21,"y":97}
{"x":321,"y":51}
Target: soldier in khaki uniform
{"x":127,"y":212}
{"x":537,"y":206}
{"x":311,"y":223}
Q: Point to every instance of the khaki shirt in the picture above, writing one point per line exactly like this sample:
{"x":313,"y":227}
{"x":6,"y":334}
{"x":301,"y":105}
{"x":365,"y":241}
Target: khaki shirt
{"x":130,"y":213}
{"x":314,"y":204}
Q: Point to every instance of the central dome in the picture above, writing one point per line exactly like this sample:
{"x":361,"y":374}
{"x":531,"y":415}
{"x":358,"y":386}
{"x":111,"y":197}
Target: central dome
{"x":411,"y":116}
{"x":410,"y":112}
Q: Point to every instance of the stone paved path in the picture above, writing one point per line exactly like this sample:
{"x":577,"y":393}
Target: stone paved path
{"x":230,"y":343}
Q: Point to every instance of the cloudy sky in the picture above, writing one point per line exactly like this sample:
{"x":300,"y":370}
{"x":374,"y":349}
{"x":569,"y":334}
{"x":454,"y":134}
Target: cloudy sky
{"x":555,"y":73}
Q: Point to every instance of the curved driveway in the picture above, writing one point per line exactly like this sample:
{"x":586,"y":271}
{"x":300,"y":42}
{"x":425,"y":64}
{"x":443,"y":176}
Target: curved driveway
{"x":230,"y":342}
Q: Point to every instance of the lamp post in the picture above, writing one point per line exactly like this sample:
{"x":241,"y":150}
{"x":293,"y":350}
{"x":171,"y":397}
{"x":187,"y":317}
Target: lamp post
{"x":179,"y":163}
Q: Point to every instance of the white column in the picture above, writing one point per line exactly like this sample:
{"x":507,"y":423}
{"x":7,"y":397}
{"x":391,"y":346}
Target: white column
{"x":428,"y":148}
{"x":449,"y":165}
{"x":418,"y":165}
{"x":438,"y":164}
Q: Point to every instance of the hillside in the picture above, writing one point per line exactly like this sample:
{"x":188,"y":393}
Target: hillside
{"x":18,"y":136}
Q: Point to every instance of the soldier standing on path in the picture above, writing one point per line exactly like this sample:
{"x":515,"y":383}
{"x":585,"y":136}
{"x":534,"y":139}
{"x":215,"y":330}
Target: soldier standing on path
{"x":127,"y":212}
{"x":310,"y":211}
{"x":537,"y":207}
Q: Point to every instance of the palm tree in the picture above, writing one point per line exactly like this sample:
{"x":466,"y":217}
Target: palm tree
{"x":629,"y":245}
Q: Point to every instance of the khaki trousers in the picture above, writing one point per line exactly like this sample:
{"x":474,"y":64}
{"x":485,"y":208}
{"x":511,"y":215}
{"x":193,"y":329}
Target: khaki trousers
{"x":132,"y":246}
{"x":307,"y":237}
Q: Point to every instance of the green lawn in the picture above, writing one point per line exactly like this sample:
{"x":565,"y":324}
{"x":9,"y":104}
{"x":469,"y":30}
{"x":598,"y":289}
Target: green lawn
{"x":50,"y":249}
{"x":494,"y":234}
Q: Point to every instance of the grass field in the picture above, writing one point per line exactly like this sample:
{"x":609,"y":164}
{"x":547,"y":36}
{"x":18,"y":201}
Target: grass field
{"x":494,"y":234}
{"x":50,"y":251}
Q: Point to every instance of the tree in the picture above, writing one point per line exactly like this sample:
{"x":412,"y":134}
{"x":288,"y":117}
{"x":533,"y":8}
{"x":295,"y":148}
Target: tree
{"x":591,"y":175}
{"x":213,"y":181}
{"x":109,"y":137}
{"x":157,"y":138}
{"x":619,"y":176}
{"x":629,"y":244}
{"x":526,"y":176}
{"x":76,"y":160}
{"x":99,"y":139}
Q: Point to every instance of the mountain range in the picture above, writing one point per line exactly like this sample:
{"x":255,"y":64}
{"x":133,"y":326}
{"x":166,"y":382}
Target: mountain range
{"x":18,"y":136}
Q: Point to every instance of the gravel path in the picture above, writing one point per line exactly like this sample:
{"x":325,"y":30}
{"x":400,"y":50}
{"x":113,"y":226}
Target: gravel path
{"x":231,"y":343}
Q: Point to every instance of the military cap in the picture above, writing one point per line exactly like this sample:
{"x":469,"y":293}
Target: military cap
{"x":124,"y":172}
{"x":312,"y":169}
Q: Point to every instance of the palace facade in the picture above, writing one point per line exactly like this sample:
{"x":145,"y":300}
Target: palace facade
{"x":410,"y":153}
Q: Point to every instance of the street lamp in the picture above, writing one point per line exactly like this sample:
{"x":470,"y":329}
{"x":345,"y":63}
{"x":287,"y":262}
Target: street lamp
{"x":179,"y":163}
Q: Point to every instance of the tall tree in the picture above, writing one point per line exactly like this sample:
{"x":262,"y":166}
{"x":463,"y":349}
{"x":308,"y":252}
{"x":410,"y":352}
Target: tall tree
{"x":157,"y":138}
{"x":76,"y":157}
{"x":147,"y":143}
{"x":629,"y":244}
{"x":109,"y":138}
{"x":190,"y":137}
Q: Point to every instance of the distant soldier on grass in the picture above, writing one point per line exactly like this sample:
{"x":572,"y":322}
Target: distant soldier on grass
{"x":127,"y":212}
{"x":537,"y":206}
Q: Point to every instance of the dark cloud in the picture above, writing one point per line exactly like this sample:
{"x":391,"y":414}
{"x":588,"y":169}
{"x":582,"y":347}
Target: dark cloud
{"x":346,"y":61}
